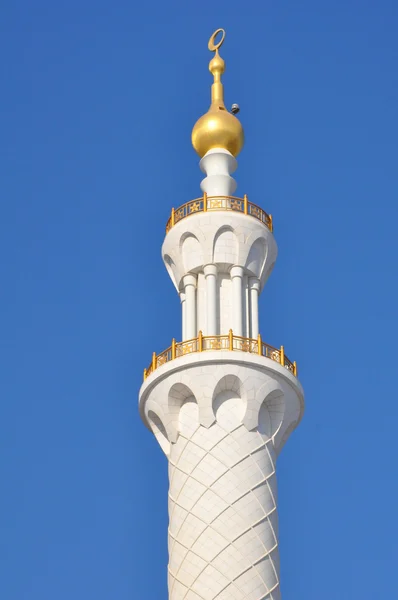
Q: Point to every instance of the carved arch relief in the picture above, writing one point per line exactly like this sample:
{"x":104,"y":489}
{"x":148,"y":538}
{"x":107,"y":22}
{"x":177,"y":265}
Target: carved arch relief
{"x":266,"y":409}
{"x":179,"y":394}
{"x":225,"y":246}
{"x":192,"y":253}
{"x":171,"y":268}
{"x":159,"y":431}
{"x":256,"y":258}
{"x":180,"y":408}
{"x":286,"y":435}
{"x":229,"y":402}
{"x":267,"y":272}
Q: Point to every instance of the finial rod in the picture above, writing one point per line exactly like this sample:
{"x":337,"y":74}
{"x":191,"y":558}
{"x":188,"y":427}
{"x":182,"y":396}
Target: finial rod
{"x":218,"y":128}
{"x":217,"y":68}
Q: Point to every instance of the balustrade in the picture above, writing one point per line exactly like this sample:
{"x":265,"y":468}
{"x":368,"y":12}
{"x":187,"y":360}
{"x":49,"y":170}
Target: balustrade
{"x":214,"y":203}
{"x":229,"y":342}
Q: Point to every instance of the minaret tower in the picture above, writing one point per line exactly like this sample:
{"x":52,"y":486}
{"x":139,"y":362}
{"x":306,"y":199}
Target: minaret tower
{"x":221,"y":402}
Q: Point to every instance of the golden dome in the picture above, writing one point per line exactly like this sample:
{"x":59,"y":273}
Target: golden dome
{"x":218,"y":128}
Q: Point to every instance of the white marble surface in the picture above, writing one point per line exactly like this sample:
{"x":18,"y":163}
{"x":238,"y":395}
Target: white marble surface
{"x":222,"y":418}
{"x":229,"y":243}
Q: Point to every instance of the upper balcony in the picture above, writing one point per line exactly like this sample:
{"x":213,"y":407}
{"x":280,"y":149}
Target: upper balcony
{"x":219,"y":203}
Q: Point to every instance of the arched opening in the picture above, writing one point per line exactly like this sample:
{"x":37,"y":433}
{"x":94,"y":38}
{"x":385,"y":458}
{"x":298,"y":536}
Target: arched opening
{"x":228,"y":404}
{"x":159,"y":431}
{"x":271,"y":414}
{"x":225,"y":247}
{"x":182,"y":416}
{"x":256,"y":257}
{"x":192,"y":254}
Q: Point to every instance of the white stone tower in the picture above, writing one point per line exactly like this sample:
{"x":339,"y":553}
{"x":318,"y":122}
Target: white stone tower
{"x":221,"y":402}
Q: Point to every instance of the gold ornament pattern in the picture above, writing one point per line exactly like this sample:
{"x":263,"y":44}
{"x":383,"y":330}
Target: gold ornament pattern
{"x":222,"y":342}
{"x":219,"y":203}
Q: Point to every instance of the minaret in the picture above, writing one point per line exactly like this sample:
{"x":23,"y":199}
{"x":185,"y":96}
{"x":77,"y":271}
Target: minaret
{"x":221,"y":402}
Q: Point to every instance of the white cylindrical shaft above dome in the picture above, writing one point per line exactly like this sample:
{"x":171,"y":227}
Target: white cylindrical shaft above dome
{"x":218,"y":164}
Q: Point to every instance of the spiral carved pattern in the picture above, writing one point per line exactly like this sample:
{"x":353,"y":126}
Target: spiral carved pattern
{"x":223,"y":538}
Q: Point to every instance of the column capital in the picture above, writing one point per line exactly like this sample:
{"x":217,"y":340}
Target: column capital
{"x":254,"y":283}
{"x":210,"y":270}
{"x":189,"y":280}
{"x":237,"y":271}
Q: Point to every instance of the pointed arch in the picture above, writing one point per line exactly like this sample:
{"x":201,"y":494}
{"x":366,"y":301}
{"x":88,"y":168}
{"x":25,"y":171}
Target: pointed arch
{"x":266,"y":409}
{"x":225,"y":246}
{"x":159,"y":431}
{"x":178,"y":395}
{"x":171,"y":267}
{"x":192,"y":253}
{"x":257,"y":256}
{"x":229,"y":401}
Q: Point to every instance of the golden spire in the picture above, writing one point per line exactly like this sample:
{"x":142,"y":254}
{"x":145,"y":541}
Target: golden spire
{"x":218,"y":128}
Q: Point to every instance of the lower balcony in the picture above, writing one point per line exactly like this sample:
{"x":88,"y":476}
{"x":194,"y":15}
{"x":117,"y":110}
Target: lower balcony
{"x":231,"y":342}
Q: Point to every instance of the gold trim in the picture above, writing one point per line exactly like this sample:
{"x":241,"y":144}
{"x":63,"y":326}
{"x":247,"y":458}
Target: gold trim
{"x":218,"y":128}
{"x":200,"y":342}
{"x":214,"y":203}
{"x":259,"y":345}
{"x":282,"y":356}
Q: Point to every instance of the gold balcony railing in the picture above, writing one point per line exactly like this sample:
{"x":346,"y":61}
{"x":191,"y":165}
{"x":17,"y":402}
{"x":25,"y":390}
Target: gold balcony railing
{"x":212,"y":203}
{"x":232,"y":342}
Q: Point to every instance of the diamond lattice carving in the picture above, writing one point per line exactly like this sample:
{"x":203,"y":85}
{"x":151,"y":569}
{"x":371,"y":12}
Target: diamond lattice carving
{"x":223,"y":521}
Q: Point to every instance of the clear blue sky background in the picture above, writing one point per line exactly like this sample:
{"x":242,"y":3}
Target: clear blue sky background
{"x":97,"y":105}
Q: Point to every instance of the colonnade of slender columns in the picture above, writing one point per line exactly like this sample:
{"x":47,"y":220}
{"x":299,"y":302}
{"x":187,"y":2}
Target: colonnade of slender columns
{"x":189,"y":305}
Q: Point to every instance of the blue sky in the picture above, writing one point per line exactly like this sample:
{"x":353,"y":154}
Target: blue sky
{"x":97,"y":106}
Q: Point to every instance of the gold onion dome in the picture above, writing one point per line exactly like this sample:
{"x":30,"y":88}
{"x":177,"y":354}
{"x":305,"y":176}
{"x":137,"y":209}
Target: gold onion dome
{"x":218,"y":128}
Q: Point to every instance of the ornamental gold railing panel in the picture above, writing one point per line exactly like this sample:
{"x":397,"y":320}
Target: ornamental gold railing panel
{"x":220,"y":342}
{"x":213,"y":203}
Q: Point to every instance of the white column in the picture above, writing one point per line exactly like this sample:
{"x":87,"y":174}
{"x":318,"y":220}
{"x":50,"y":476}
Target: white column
{"x":210,"y":272}
{"x":246,"y":307}
{"x":254,"y":286}
{"x":237,"y":299}
{"x":189,"y":282}
{"x":183,"y":316}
